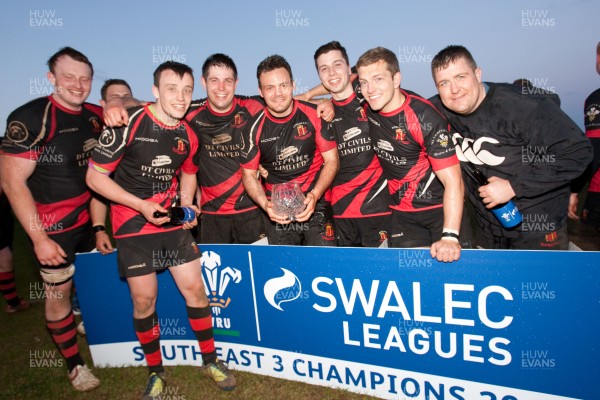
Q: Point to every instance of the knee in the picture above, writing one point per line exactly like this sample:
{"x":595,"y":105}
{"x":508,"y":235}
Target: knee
{"x":58,"y":293}
{"x":195,"y":296}
{"x":143,"y":304}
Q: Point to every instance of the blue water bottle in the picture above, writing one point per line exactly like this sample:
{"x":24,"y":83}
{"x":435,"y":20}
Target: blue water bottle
{"x":507,"y":214}
{"x":178,"y":215}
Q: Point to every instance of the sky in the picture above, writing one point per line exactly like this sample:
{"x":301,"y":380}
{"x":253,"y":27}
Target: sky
{"x":550,"y":42}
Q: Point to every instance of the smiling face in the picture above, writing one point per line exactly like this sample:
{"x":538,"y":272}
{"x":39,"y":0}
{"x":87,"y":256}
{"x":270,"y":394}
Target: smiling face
{"x":72,"y":81}
{"x":173,"y":96}
{"x":220,"y":84}
{"x":460,"y":86}
{"x":380,"y":88}
{"x":334,"y":73}
{"x":276,"y":88}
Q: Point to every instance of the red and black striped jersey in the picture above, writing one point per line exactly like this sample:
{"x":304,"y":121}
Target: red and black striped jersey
{"x":288,"y":148}
{"x":359,"y":189}
{"x":60,"y":141}
{"x":219,"y":137}
{"x":146,"y":157}
{"x":412,"y":142}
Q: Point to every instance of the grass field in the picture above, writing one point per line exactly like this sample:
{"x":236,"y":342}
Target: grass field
{"x":32,"y":368}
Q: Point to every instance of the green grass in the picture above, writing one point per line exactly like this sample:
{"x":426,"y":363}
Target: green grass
{"x":32,"y":368}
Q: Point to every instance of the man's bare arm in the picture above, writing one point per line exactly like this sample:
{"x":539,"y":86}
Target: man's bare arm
{"x":115,"y":110}
{"x":313,"y":93}
{"x":14,"y":172}
{"x":105,"y":186}
{"x":448,"y":249}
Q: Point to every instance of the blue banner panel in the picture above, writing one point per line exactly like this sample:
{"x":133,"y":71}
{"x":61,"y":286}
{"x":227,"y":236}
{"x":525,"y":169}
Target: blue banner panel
{"x":392,"y":323}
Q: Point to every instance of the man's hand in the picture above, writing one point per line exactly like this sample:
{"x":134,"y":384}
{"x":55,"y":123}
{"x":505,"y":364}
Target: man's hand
{"x":325,"y":110}
{"x":190,"y":225}
{"x":573,"y":203}
{"x":48,"y":252}
{"x":263,"y":172}
{"x":103,"y":243}
{"x":445,"y":250}
{"x":115,"y":114}
{"x":280,"y":219}
{"x":147,"y":209}
{"x":497,"y":191}
{"x":310,"y":202}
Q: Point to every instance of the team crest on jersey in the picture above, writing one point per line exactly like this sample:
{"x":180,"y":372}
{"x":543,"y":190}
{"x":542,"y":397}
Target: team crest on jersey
{"x":401,"y":136}
{"x":96,"y":125}
{"x":591,"y":114}
{"x":584,"y":214}
{"x":238,"y":120}
{"x":383,"y":235}
{"x":443,"y":140}
{"x":551,"y":237}
{"x":329,"y":232}
{"x":302,"y":131}
{"x":363,"y":114}
{"x":181,"y":147}
{"x":17,"y":132}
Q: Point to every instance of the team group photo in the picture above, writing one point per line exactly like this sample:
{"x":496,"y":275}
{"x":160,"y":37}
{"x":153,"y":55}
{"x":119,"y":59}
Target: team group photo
{"x":282,"y":125}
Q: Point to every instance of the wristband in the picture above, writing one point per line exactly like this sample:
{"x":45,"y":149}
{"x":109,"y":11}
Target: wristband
{"x":99,"y":228}
{"x":450,"y":236}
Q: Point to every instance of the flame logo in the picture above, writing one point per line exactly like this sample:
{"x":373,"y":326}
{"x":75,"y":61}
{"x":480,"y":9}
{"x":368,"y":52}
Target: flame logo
{"x":287,"y":285}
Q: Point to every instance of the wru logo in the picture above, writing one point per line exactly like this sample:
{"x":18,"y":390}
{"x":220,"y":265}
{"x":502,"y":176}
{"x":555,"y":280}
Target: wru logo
{"x":217,"y":279}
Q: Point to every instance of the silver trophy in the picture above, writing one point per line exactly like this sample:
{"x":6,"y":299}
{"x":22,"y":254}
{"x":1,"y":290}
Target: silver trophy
{"x":287,"y":199}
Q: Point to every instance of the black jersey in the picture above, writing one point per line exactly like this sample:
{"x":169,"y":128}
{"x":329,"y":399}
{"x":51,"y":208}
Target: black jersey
{"x":529,"y":142}
{"x":359,"y":189}
{"x":288,"y":148}
{"x":592,"y":131}
{"x":412,"y":142}
{"x":146,"y":157}
{"x":592,"y":114}
{"x":219,"y":137}
{"x":60,"y":141}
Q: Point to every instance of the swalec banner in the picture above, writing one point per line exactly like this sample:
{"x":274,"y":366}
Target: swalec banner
{"x":391,"y":323}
